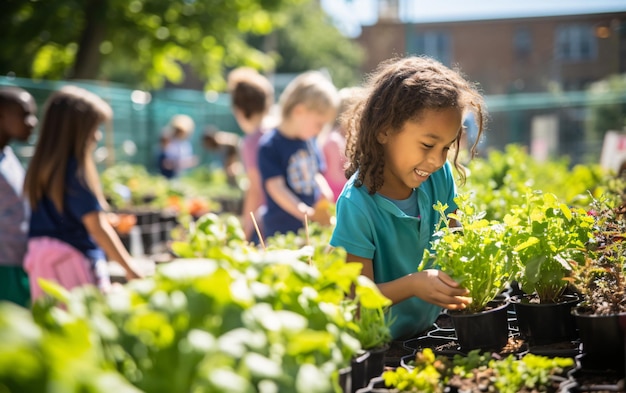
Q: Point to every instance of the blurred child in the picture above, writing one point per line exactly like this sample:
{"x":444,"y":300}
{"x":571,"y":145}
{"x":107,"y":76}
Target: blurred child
{"x":252,"y":96}
{"x":165,"y":168}
{"x":291,"y":165}
{"x":398,"y":147}
{"x":70,"y":235}
{"x":226,"y":144}
{"x":17,"y":119}
{"x":177,"y":155}
{"x":333,"y":142}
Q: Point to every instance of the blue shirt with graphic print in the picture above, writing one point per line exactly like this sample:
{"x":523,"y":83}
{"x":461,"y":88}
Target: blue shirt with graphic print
{"x":295,"y":160}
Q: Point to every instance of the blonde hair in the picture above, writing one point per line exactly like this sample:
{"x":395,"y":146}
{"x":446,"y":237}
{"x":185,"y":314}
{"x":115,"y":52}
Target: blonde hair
{"x":182,"y":125}
{"x":71,"y":118}
{"x":311,"y":89}
{"x":349,"y":97}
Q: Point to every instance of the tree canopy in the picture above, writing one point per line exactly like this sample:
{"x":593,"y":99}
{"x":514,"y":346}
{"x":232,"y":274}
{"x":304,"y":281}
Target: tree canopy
{"x":308,"y":40}
{"x":140,"y":42}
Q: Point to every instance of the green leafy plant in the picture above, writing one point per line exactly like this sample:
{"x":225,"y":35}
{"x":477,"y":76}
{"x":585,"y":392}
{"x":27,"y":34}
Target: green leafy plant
{"x":601,"y":278}
{"x":62,"y":359}
{"x":477,"y":254}
{"x":502,"y":179}
{"x":480,"y":371}
{"x":372,"y":326}
{"x":230,"y":317}
{"x":548,"y":235}
{"x":426,"y":375}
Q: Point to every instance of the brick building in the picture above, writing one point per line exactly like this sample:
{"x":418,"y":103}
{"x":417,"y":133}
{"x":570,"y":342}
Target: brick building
{"x":526,"y":54}
{"x":516,"y":59}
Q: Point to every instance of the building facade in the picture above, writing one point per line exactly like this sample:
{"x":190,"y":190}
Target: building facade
{"x":528,"y":67}
{"x":511,"y":55}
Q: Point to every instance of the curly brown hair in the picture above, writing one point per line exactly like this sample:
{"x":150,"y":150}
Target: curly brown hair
{"x":400,"y":90}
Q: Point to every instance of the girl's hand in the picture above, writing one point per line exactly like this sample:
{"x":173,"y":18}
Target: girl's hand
{"x":321,"y":212}
{"x":436,"y":287}
{"x":133,"y":271}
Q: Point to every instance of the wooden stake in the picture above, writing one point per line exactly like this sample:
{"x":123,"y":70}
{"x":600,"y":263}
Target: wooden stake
{"x":258,"y":231}
{"x":306,"y":230}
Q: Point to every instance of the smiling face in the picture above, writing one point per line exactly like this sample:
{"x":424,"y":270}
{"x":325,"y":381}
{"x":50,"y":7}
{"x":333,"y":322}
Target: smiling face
{"x":417,"y":150}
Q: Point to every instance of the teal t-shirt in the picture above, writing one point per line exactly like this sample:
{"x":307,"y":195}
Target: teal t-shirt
{"x":373,"y":227}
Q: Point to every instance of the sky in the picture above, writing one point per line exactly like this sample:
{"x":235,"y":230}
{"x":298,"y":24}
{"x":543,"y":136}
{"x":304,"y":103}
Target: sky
{"x":349,"y":15}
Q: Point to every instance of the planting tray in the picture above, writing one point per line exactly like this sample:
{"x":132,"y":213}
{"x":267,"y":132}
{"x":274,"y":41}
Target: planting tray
{"x":441,"y":339}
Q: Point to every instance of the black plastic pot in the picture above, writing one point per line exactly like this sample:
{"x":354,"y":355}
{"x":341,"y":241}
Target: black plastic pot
{"x":151,"y":237}
{"x":345,"y":379}
{"x":357,"y":375}
{"x":486,"y":330}
{"x":368,"y":365}
{"x":602,"y":341}
{"x":541,"y":324}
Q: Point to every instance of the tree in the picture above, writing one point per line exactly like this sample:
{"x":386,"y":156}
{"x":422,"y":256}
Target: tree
{"x":140,"y":42}
{"x":308,"y":40}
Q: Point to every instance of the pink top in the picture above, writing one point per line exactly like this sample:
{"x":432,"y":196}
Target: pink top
{"x":334,"y":154}
{"x":250,"y":149}
{"x":250,"y":152}
{"x":54,"y":260}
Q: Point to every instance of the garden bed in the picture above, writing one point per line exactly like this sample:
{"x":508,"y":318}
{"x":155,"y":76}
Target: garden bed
{"x":440,"y":338}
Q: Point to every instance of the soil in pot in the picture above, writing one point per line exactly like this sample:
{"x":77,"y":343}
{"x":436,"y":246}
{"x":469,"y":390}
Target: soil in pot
{"x":395,"y":353}
{"x":449,"y":347}
{"x":587,"y":380}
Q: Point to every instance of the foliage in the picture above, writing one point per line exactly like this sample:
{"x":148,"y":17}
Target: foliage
{"x":548,"y":234}
{"x":213,"y":236}
{"x":246,"y":320}
{"x":531,"y":371}
{"x":372,"y":327}
{"x":430,"y":373}
{"x":129,"y":187}
{"x":425,"y":376}
{"x":126,"y":185}
{"x":601,"y":278}
{"x":477,"y":254}
{"x":501,"y":181}
{"x":144,"y":43}
{"x":308,"y":40}
{"x":64,"y":359}
{"x":209,"y":237}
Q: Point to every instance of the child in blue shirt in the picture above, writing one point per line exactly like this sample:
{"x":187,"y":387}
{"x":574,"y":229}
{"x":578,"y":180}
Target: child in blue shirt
{"x":290,"y":163}
{"x":400,"y":138}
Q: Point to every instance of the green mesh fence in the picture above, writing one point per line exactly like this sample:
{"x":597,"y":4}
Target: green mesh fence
{"x":139,"y":118}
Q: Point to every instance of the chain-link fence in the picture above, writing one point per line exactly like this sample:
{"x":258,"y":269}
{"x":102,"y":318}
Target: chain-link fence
{"x":550,"y":124}
{"x":139,"y":118}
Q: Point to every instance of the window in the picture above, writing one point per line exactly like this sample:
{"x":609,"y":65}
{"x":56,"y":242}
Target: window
{"x":435,"y":44}
{"x":575,"y":43}
{"x":522,"y":43}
